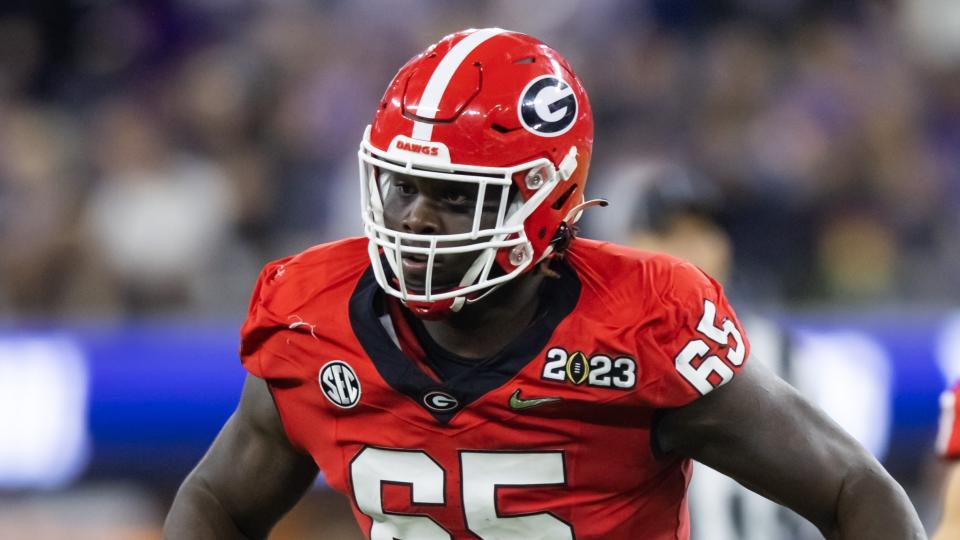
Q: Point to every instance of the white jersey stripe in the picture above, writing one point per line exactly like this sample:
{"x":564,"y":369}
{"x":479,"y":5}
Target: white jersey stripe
{"x":437,"y":85}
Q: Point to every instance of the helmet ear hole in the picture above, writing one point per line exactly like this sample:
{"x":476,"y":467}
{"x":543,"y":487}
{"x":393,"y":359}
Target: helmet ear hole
{"x":500,"y":128}
{"x":562,"y":200}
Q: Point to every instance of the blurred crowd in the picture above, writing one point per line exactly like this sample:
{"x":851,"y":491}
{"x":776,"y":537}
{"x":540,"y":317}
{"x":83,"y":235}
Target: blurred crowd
{"x":155,"y":153}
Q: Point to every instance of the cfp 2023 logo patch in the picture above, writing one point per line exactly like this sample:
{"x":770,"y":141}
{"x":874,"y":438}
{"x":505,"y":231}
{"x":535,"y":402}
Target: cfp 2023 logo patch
{"x":598,"y":370}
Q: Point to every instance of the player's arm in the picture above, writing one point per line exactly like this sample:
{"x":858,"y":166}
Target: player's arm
{"x":248,"y":479}
{"x":761,"y":432}
{"x":950,"y":523}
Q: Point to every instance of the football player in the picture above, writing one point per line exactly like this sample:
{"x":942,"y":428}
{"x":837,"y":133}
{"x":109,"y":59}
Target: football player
{"x":471,"y":369}
{"x":664,"y":207}
{"x":948,"y":446}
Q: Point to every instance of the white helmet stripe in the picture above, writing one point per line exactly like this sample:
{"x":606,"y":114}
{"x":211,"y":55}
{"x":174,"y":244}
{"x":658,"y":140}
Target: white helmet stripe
{"x":437,"y":85}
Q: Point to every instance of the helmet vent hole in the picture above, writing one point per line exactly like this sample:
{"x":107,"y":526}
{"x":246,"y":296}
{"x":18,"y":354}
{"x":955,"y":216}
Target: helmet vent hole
{"x":527,"y":60}
{"x":541,"y":233}
{"x":563,"y":198}
{"x":500,"y":128}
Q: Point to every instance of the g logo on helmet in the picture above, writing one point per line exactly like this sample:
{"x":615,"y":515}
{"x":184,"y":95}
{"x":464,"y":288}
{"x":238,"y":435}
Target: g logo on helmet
{"x":548,"y":106}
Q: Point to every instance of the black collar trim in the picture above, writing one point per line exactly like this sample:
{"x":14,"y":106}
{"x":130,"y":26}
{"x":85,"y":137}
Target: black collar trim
{"x":560,"y":297}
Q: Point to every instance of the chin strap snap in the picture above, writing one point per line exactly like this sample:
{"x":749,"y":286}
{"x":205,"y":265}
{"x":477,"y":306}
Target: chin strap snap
{"x":567,"y":230}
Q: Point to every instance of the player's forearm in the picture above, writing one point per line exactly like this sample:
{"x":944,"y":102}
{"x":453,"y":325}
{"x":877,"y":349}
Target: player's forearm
{"x":197,"y":514}
{"x":872,"y":506}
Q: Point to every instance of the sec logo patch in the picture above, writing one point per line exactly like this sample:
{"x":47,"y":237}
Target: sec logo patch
{"x":340,"y":384}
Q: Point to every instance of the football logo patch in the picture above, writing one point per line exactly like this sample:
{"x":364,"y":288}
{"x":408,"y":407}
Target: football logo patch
{"x":596,"y":369}
{"x":340,"y":384}
{"x":548,"y":106}
{"x":577,"y":368}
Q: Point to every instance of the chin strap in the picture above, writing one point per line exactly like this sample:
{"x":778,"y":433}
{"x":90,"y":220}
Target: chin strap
{"x":567,"y":230}
{"x":578,"y":209}
{"x":436,"y":310}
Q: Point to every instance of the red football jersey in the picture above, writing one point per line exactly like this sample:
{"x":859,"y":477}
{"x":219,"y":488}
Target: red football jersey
{"x":948,"y":439}
{"x":551,"y":438}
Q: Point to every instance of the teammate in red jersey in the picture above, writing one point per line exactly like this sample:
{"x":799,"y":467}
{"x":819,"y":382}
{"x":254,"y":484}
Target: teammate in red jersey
{"x":948,"y":447}
{"x":472,"y":370}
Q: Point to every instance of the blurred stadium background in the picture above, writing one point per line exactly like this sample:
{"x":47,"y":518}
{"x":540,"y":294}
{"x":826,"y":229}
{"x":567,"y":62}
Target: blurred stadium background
{"x":155,"y":153}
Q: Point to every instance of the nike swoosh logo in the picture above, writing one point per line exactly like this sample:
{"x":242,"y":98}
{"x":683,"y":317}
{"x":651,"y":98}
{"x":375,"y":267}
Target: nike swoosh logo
{"x":517,"y":403}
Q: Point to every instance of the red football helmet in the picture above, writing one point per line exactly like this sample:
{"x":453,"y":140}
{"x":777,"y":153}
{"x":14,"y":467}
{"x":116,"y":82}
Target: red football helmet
{"x":493,"y":108}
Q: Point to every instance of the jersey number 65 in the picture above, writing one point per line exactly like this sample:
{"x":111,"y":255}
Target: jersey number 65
{"x":481,"y":474}
{"x":711,"y":371}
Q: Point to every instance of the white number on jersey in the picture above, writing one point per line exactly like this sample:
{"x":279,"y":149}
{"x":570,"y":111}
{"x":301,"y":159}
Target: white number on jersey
{"x":481,"y":472}
{"x":699,"y":376}
{"x":373,"y":466}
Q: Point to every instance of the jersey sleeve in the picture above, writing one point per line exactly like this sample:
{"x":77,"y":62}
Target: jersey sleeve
{"x":948,"y":437}
{"x":700,"y":340}
{"x":263,"y":324}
